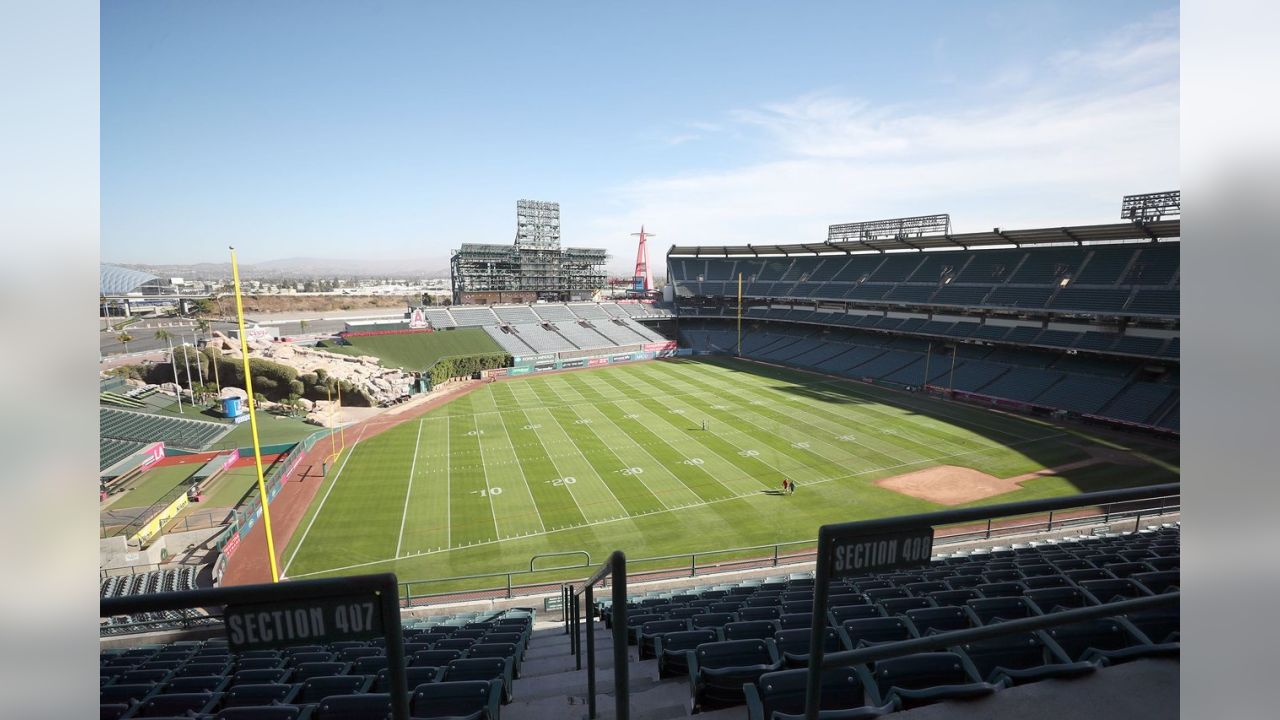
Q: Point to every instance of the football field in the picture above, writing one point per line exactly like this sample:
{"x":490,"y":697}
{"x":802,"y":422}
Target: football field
{"x":617,"y":457}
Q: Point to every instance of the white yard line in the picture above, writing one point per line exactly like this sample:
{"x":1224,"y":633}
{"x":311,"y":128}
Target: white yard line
{"x":547,"y":452}
{"x":520,"y":468}
{"x":710,"y":502}
{"x":603,"y":442}
{"x":412,"y":466}
{"x":488,"y":490}
{"x":320,"y":507}
{"x":448,"y":488}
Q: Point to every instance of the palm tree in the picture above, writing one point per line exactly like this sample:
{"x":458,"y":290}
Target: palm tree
{"x":302,"y":327}
{"x":163,"y":335}
{"x":125,"y":338}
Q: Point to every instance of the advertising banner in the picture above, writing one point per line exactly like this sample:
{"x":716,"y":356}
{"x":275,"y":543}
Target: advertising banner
{"x":522,"y":370}
{"x":597,"y":362}
{"x":570,"y":364}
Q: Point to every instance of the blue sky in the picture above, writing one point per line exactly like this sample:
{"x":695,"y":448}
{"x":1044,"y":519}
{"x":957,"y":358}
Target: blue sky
{"x":401,"y":129}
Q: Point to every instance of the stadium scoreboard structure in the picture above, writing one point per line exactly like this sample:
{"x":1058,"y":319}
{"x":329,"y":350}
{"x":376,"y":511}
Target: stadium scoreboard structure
{"x":534,"y":268}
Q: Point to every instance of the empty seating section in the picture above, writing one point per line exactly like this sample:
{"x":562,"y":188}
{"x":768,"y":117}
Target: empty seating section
{"x":1090,"y":300}
{"x":582,"y":337}
{"x":510,"y":341}
{"x":543,"y":340}
{"x":112,"y":451}
{"x":1155,"y":265}
{"x":516,"y":314}
{"x":1077,"y":383}
{"x":440,"y":318}
{"x":145,"y":427}
{"x":473,"y":316}
{"x":349,"y":679}
{"x":1155,"y":302}
{"x":1139,"y":402}
{"x":182,"y":577}
{"x":1066,"y":279}
{"x":703,"y":634}
{"x":588,"y":311}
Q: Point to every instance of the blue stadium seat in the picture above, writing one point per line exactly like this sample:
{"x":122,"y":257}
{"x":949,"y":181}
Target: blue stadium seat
{"x":672,"y":649}
{"x":847,"y":694}
{"x":718,"y":670}
{"x":1021,"y":658}
{"x":368,"y":706}
{"x":924,"y":678}
{"x":472,"y":700}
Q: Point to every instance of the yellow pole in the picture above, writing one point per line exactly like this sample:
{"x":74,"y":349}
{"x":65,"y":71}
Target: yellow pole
{"x":253,"y":421}
{"x":739,"y":314}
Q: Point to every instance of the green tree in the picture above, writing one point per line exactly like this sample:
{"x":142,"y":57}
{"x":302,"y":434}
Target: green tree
{"x":302,"y":327}
{"x":125,"y":338}
{"x":163,"y":335}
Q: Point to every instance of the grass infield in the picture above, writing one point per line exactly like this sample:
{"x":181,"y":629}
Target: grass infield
{"x":419,"y":351}
{"x":617,"y":458}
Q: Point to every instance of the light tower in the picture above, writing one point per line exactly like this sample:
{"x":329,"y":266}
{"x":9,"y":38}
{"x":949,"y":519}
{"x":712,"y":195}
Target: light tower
{"x":642,"y":282}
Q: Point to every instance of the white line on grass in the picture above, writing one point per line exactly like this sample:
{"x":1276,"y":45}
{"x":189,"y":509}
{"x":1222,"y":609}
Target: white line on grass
{"x":520,"y":468}
{"x":298,"y":547}
{"x":554,"y":466}
{"x":712,"y":502}
{"x":448,"y":488}
{"x":488,"y":491}
{"x":412,"y":466}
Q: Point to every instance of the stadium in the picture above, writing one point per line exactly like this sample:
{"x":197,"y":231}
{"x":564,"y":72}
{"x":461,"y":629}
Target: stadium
{"x":897,"y":471}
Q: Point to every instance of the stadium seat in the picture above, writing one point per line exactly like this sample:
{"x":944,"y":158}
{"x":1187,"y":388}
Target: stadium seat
{"x":497,"y":650}
{"x":315,"y":689}
{"x":837,"y":615}
{"x":718,"y":670}
{"x":847,"y":694}
{"x":1021,"y":658}
{"x":308,"y":670}
{"x":856,"y":633}
{"x":368,"y":706}
{"x":760,"y":613}
{"x":197,"y":683}
{"x":262,"y":663}
{"x":413,"y":677}
{"x":790,"y":621}
{"x":473,"y":700}
{"x":793,"y":645}
{"x":177,"y":704}
{"x":1053,"y":599}
{"x":648,"y":632}
{"x":257,"y":694}
{"x":924,"y":678}
{"x":126,"y":693}
{"x":483,"y":669}
{"x":1159,"y":581}
{"x":898,"y":606}
{"x":369,"y":665}
{"x":750,"y":630}
{"x":435,"y":658}
{"x":938,"y":619}
{"x":253,"y":677}
{"x":988,"y":610}
{"x":260,"y":712}
{"x":1107,"y":640}
{"x":712,"y":620}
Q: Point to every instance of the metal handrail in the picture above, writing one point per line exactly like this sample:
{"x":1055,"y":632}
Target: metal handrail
{"x":827,"y":535}
{"x":383,"y":585}
{"x":510,"y":587}
{"x":616,"y":569}
{"x":539,"y":556}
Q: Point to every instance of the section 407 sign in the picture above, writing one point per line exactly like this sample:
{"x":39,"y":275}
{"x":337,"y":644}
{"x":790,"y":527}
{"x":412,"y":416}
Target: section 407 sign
{"x":313,"y":621}
{"x":849,"y":552}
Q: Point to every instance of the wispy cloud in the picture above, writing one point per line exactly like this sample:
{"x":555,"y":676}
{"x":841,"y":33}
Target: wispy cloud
{"x":1089,"y":126}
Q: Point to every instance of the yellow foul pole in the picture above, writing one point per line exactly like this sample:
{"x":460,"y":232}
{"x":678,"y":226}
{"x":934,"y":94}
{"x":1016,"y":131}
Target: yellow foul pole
{"x":253,"y":422}
{"x":739,"y":314}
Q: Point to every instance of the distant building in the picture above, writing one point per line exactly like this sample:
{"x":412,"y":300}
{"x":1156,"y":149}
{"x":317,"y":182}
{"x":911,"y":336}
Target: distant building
{"x":534,"y":268}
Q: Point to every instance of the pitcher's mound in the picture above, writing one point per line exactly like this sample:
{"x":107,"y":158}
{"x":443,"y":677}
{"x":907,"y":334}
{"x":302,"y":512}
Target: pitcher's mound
{"x":950,"y":484}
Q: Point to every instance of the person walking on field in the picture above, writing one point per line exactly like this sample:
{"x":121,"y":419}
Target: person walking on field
{"x":785,"y":486}
{"x":791,"y":487}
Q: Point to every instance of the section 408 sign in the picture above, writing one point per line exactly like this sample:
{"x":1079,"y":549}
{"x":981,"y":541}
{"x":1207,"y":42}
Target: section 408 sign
{"x":315,"y":621}
{"x":853,"y":553}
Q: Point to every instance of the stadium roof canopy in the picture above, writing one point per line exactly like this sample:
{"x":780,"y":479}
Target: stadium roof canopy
{"x":116,"y":280}
{"x":1077,"y":234}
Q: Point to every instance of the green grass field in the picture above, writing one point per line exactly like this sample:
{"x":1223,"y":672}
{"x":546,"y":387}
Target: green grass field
{"x":616,"y":458}
{"x":272,"y":430}
{"x":154,"y":484}
{"x":419,"y":351}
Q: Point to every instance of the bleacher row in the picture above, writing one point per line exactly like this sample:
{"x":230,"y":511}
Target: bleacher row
{"x":456,"y":666}
{"x":566,"y":336}
{"x":1112,"y":389}
{"x":1130,"y":279}
{"x":112,"y":451}
{"x":153,"y":581}
{"x":145,"y":427}
{"x":748,"y":642}
{"x":469,"y":316}
{"x":1054,"y":338}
